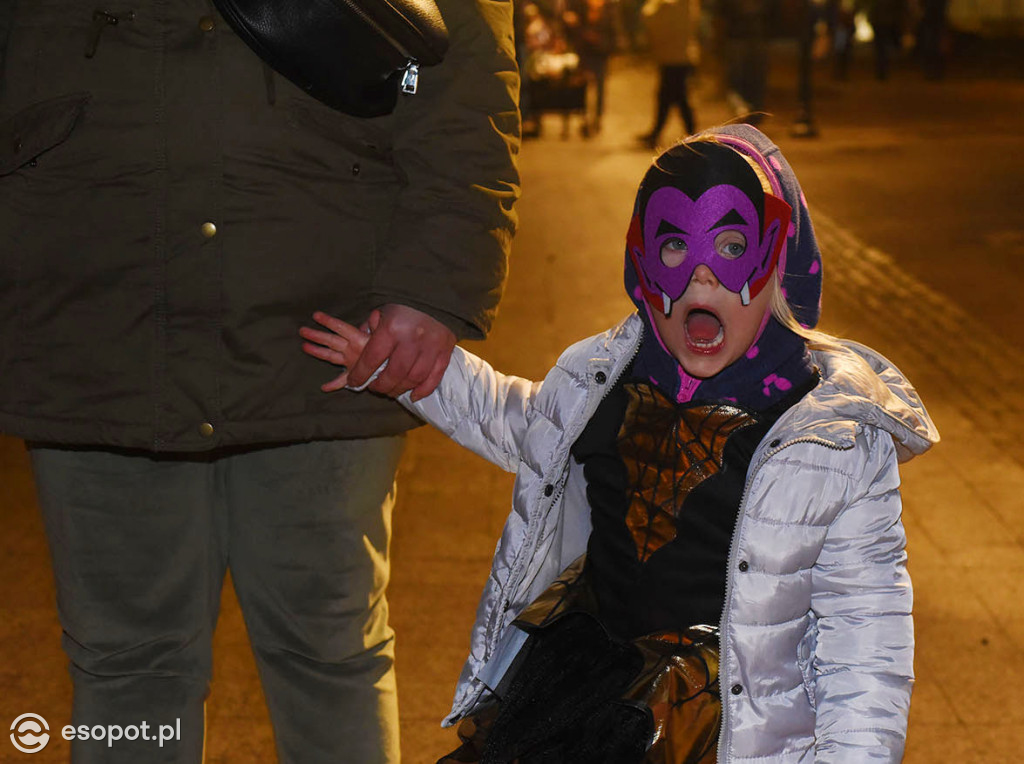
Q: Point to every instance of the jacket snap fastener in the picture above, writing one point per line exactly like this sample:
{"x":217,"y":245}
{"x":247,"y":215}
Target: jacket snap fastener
{"x":549,"y":489}
{"x":206,"y":429}
{"x":775,"y":443}
{"x":600,"y":378}
{"x":737,"y":689}
{"x":208,"y":229}
{"x":744,"y":566}
{"x":356,"y":168}
{"x":206,"y":24}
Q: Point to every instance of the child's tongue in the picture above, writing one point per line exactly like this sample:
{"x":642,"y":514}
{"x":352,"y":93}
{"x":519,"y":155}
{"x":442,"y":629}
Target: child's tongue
{"x":702,"y":326}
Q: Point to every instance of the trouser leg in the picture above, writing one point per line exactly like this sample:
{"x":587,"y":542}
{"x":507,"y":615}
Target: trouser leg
{"x":679,"y":76}
{"x":138,"y":566}
{"x":663,"y":103}
{"x":310,"y":531}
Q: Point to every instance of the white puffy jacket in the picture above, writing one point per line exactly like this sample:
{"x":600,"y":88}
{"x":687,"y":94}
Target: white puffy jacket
{"x":817,"y":637}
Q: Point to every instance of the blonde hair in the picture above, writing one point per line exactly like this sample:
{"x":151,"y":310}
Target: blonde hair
{"x":783,"y":313}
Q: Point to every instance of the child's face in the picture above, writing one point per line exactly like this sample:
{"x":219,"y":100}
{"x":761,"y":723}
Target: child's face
{"x":709,"y":327}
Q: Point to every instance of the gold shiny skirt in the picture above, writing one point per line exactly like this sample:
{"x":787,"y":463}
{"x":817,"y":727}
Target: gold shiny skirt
{"x":650,"y":700}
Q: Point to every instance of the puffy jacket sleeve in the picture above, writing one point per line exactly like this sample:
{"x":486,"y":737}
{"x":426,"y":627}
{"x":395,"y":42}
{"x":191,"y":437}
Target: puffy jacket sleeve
{"x":455,"y":143}
{"x":862,"y":598}
{"x":480,"y":408}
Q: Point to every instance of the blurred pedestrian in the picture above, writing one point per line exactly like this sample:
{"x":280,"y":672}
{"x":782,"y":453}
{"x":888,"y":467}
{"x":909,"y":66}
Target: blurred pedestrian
{"x":887,"y":19}
{"x":590,"y":27}
{"x":842,"y":28}
{"x":931,"y":38}
{"x":743,"y":25}
{"x":672,"y":33}
{"x":705,"y":559}
{"x":171,"y":210}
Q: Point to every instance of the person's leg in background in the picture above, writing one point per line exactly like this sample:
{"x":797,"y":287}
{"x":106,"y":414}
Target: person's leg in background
{"x":138,"y":564}
{"x":309,"y":530}
{"x":663,"y":102}
{"x":679,"y":76}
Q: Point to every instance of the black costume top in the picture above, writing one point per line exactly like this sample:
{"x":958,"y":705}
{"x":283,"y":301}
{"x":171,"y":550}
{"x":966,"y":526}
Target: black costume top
{"x":664,"y":484}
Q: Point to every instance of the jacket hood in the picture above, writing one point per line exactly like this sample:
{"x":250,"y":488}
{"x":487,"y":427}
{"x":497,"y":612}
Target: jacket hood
{"x":860,"y":385}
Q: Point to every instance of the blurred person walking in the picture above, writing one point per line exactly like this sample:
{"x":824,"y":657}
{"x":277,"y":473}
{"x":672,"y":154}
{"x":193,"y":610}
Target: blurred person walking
{"x":743,"y":27}
{"x":672,"y":34}
{"x":931,"y":34}
{"x":591,"y":31}
{"x":887,"y":19}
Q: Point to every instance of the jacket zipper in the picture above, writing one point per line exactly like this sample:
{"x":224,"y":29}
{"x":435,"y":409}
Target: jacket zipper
{"x":724,"y":683}
{"x":100,"y":21}
{"x":516,"y":574}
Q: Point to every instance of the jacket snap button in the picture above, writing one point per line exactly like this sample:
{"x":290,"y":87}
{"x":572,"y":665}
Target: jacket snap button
{"x":206,"y":24}
{"x":737,"y":689}
{"x":600,"y":378}
{"x":206,"y":429}
{"x":744,"y":566}
{"x":208,"y":229}
{"x":549,"y":489}
{"x":356,"y":168}
{"x":775,"y":443}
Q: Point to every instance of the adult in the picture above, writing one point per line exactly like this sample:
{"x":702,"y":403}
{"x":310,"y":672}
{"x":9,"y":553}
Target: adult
{"x":744,"y":28}
{"x":171,"y":211}
{"x":590,"y":27}
{"x":672,"y":33}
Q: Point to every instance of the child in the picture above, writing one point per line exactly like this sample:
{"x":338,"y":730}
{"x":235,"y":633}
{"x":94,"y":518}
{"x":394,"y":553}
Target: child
{"x":710,"y":469}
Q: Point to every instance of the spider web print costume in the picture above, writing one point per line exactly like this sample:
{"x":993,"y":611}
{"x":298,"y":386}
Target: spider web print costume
{"x":667,"y":455}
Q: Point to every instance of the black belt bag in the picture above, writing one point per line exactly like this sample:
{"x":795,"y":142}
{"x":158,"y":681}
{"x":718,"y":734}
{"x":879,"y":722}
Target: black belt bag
{"x":354,"y":55}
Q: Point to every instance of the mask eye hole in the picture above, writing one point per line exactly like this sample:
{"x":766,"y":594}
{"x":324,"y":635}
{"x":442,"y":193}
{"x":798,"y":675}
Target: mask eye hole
{"x":730,"y":244}
{"x":673,"y":252}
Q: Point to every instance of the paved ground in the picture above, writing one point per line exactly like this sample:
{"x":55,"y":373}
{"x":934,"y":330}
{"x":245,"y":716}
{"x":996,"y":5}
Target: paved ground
{"x":923,"y":282}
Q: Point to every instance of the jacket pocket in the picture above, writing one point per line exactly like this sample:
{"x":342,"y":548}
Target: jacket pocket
{"x":805,"y":652}
{"x":365,"y":148}
{"x":38,"y":128}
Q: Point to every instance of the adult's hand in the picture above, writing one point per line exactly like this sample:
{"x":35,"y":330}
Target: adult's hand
{"x":416,"y":346}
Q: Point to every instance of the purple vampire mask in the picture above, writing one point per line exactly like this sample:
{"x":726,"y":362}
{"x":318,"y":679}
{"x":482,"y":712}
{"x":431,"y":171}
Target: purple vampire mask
{"x":720,"y":227}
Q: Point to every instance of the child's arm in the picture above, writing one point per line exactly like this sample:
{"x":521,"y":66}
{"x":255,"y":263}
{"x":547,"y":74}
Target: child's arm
{"x":476,"y":406}
{"x":863,"y":662}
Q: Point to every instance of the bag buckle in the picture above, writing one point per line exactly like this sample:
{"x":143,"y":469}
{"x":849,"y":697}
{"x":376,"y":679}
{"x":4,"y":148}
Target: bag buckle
{"x":411,"y":78}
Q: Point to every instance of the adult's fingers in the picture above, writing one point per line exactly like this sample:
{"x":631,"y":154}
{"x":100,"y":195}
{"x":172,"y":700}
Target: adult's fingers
{"x":399,"y":363}
{"x":427,"y":386}
{"x":418,"y":372}
{"x":378,"y":349}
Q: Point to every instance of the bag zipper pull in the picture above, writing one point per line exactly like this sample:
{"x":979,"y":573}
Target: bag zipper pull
{"x":411,"y":78}
{"x":100,"y":21}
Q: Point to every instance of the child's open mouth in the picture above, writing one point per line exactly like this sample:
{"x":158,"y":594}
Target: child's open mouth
{"x":704,"y":331}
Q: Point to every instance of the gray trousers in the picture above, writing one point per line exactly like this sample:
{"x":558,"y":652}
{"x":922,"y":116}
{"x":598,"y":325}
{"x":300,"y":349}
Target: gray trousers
{"x":140,"y":545}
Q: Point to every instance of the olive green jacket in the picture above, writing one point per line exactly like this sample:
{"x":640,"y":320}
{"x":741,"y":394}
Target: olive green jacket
{"x":171,"y":212}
